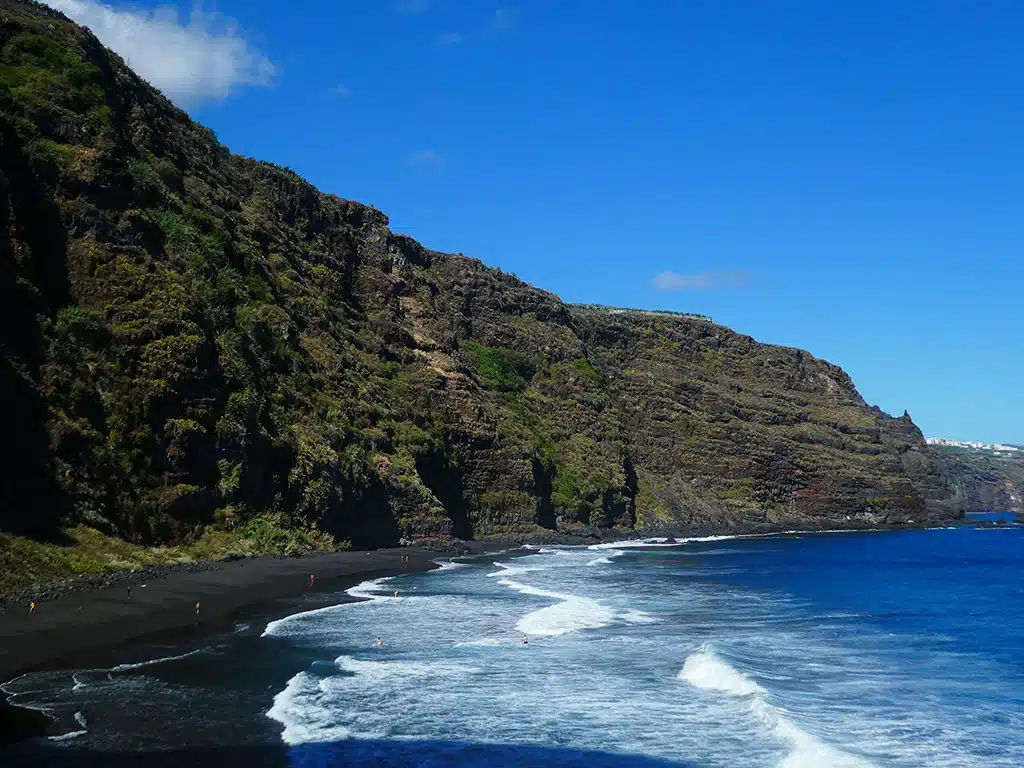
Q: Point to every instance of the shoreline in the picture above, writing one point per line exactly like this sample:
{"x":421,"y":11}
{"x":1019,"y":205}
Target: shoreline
{"x":101,"y":627}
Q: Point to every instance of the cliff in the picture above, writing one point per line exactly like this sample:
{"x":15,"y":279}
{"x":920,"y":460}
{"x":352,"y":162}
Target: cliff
{"x":983,"y":480}
{"x":193,"y":339}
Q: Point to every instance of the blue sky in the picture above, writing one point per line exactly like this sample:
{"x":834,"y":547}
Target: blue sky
{"x":846,"y":177}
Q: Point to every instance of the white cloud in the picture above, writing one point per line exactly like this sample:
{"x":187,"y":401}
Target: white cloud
{"x":200,"y":60}
{"x":669,"y":281}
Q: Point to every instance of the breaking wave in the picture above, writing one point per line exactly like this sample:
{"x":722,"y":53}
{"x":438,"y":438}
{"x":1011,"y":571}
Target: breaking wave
{"x":706,"y":670}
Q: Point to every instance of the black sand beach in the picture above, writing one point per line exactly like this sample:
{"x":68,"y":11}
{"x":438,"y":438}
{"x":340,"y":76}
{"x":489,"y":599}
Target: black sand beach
{"x":94,"y":625}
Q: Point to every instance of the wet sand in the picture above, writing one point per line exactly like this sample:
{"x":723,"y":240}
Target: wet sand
{"x":85,"y":626}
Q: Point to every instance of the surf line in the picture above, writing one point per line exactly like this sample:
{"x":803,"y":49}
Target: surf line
{"x":570,"y":613}
{"x":706,"y":670}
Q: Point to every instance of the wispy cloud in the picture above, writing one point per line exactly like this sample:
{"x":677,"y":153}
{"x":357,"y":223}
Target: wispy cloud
{"x":339,"y":90}
{"x":671,"y":282}
{"x":452,"y":38}
{"x":200,"y":60}
{"x":426,"y":158}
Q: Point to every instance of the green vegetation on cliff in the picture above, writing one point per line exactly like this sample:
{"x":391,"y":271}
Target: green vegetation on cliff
{"x":193,"y":341}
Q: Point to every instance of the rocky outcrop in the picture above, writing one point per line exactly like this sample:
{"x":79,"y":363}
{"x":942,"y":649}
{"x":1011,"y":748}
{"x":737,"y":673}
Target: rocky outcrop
{"x":193,"y":338}
{"x":982,"y":480}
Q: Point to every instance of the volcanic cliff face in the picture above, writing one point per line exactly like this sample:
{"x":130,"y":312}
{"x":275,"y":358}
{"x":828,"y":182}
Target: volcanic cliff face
{"x":192,"y":338}
{"x":983,"y":480}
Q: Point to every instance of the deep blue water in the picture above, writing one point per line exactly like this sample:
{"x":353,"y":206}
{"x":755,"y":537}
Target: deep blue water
{"x":846,"y":649}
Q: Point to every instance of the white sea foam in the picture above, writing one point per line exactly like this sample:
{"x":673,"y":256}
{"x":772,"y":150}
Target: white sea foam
{"x":571,"y":613}
{"x":706,"y":670}
{"x":161,"y":660}
{"x":378,"y":671}
{"x":449,"y":565}
{"x":655,"y":542}
{"x":83,"y":729}
{"x":512,"y":570}
{"x":815,"y":699}
{"x":306,"y":713}
{"x":370,"y":590}
{"x":567,"y":616}
{"x":606,"y":559}
{"x":68,"y":736}
{"x":627,"y":543}
{"x":487,"y":642}
{"x":310,"y":708}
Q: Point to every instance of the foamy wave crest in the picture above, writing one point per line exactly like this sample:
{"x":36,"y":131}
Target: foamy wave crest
{"x":449,"y":565}
{"x":367,"y":591}
{"x":629,"y":543}
{"x":638,"y":617}
{"x":706,"y":670}
{"x":306,"y":712}
{"x":161,"y":660}
{"x":487,"y":642}
{"x":376,"y":671}
{"x":316,"y":709}
{"x":571,"y":613}
{"x":80,"y":719}
{"x":606,"y":559}
{"x":511,"y":570}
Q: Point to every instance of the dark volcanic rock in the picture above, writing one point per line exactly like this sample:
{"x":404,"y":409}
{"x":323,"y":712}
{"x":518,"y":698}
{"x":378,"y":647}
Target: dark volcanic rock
{"x":193,"y":338}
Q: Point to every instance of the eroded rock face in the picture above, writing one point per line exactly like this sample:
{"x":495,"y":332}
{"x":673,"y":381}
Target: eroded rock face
{"x":983,"y":481}
{"x":193,"y":337}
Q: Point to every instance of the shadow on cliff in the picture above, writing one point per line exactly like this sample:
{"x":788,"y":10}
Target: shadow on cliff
{"x":33,"y":284}
{"x":349,"y":753}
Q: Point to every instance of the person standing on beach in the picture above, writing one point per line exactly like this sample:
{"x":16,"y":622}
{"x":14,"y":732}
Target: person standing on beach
{"x":311,"y":580}
{"x":129,"y":592}
{"x":197,"y":609}
{"x":31,"y":607}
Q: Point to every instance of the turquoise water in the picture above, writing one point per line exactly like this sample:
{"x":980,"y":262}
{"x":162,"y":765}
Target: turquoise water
{"x":851,"y":649}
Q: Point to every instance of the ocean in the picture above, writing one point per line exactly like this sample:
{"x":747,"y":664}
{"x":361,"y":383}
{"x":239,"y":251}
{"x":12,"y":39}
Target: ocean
{"x":795,"y":650}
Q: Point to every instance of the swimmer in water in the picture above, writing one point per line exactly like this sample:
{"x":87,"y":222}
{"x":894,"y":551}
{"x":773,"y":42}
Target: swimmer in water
{"x":380,"y":643}
{"x":525,"y":640}
{"x":396,"y":593}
